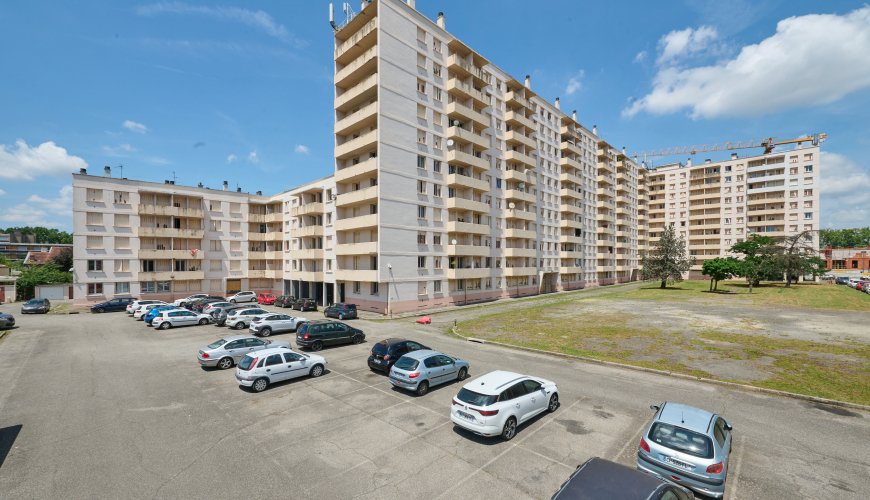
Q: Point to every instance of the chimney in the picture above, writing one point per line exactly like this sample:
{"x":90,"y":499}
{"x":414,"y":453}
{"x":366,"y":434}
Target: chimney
{"x":259,"y":193}
{"x":199,"y":185}
{"x":708,"y":160}
{"x":238,"y":190}
{"x":440,"y":21}
{"x":83,"y":171}
{"x":226,"y":185}
{"x":594,"y":129}
{"x":166,"y":181}
{"x":733,"y":156}
{"x":107,"y":171}
{"x":557,"y":104}
{"x":528,"y":81}
{"x":574,"y":115}
{"x":689,"y":162}
{"x":623,"y":150}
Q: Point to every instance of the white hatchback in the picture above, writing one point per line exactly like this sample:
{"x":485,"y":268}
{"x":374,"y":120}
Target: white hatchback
{"x":178,"y":317}
{"x":259,"y":369}
{"x":243,"y":297}
{"x":497,"y":403}
{"x":131,"y":308}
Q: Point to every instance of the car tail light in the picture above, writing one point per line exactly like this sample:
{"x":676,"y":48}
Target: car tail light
{"x":457,"y":402}
{"x":205,"y":355}
{"x":487,"y":413}
{"x":715,"y":468}
{"x":414,"y":375}
{"x":643,"y":445}
{"x":305,"y":337}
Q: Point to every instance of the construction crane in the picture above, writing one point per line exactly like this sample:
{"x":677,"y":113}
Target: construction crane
{"x":768,"y":144}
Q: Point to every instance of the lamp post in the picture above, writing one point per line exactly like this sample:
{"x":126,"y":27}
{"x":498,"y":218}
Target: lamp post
{"x":389,"y":290}
{"x":172,"y":286}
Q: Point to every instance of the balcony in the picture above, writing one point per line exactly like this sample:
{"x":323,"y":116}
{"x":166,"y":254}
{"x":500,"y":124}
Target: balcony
{"x":265,"y":273}
{"x":571,"y":147}
{"x":520,"y":176}
{"x":169,"y":232}
{"x":520,"y":252}
{"x":457,"y":203}
{"x":150,"y":253}
{"x":456,"y":109}
{"x":171,"y":275}
{"x":307,"y":275}
{"x":520,"y":214}
{"x":520,"y":271}
{"x":518,"y":137}
{"x":462,"y":135}
{"x":367,"y":116}
{"x":570,"y":270}
{"x":307,"y":253}
{"x":571,"y":254}
{"x":456,"y":157}
{"x":355,"y":147}
{"x":308,"y":208}
{"x":351,"y":48}
{"x":365,"y":248}
{"x":270,"y":236}
{"x":362,"y":221}
{"x":366,"y":63}
{"x":466,"y":181}
{"x":308,"y":231}
{"x":516,"y":194}
{"x":359,"y":197}
{"x":605,"y":256}
{"x":169,"y":210}
{"x":464,"y":68}
{"x":467,"y":227}
{"x":468,"y":273}
{"x":520,"y":233}
{"x":362,"y":170}
{"x":569,"y":223}
{"x":469,"y":250}
{"x":519,"y":119}
{"x":520,"y":157}
{"x":567,"y":238}
{"x":358,"y":94}
{"x":357,"y":275}
{"x":567,"y":161}
{"x":571,"y":209}
{"x":457,"y":87}
{"x":571,"y":193}
{"x":566,"y":177}
{"x":514,"y":96}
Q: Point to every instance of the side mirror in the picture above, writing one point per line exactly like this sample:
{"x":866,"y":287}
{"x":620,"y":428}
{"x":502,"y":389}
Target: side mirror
{"x":728,"y":426}
{"x":654,"y":408}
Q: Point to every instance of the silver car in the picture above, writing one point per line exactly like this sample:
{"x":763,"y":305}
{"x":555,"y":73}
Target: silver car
{"x":226,"y":352}
{"x":268,"y":324}
{"x":419,"y":370}
{"x":689,"y":445}
{"x":178,"y":317}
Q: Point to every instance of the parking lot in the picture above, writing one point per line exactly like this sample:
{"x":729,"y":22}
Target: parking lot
{"x":103,"y":406}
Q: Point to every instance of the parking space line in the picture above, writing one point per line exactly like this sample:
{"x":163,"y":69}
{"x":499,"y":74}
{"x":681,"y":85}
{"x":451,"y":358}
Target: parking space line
{"x":739,"y":459}
{"x":549,"y":459}
{"x":635,"y":438}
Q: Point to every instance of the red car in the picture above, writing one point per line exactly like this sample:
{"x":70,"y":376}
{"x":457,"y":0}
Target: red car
{"x":266,"y":299}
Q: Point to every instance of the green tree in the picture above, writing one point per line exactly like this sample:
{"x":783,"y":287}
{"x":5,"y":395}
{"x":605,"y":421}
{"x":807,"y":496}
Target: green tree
{"x":797,"y":257}
{"x":856,"y":237}
{"x":759,"y":258}
{"x":63,"y":260}
{"x":720,"y":269}
{"x":39,"y":275}
{"x":42,"y":234}
{"x":667,"y":261}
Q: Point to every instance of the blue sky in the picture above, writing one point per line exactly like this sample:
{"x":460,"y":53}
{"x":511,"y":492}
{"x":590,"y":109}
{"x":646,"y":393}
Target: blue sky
{"x":241,"y":91}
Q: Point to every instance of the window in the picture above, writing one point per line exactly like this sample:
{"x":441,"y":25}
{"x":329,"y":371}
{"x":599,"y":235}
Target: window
{"x":436,"y":69}
{"x":421,"y":288}
{"x":436,"y":166}
{"x":122,"y":266}
{"x":274,"y":359}
{"x":421,"y":136}
{"x":421,"y":161}
{"x":421,"y":262}
{"x":421,"y":238}
{"x":122,"y":287}
{"x":122,"y":220}
{"x":95,"y":242}
{"x":421,"y":187}
{"x":421,"y":111}
{"x":808,"y":215}
{"x":421,"y":86}
{"x":808,"y":169}
{"x":163,"y":287}
{"x":95,"y":265}
{"x":147,"y":266}
{"x":94,"y":219}
{"x":436,"y":286}
{"x":437,"y":260}
{"x":436,"y":190}
{"x":147,"y":286}
{"x":373,"y":289}
{"x":437,"y":92}
{"x":436,"y":239}
{"x":95,"y":288}
{"x":356,"y":287}
{"x":421,"y":212}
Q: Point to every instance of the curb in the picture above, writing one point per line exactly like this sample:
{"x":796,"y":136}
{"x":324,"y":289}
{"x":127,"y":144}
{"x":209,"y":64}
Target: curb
{"x":733,"y":385}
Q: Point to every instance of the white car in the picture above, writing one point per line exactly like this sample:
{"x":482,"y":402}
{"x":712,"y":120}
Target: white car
{"x":131,"y":308}
{"x":240,"y":318}
{"x":497,"y":403}
{"x":214,"y":305}
{"x":243,"y":297}
{"x":178,"y":317}
{"x":143,"y":310}
{"x":178,"y":302}
{"x":275,"y":323}
{"x":259,"y":369}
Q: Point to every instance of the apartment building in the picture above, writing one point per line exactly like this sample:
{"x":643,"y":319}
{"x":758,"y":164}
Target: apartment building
{"x":717,"y":204}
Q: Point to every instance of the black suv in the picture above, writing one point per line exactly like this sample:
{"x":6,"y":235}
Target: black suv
{"x":386,"y":352}
{"x":317,"y":334}
{"x":285,"y":301}
{"x":341,"y":311}
{"x":116,"y":304}
{"x":306,"y":305}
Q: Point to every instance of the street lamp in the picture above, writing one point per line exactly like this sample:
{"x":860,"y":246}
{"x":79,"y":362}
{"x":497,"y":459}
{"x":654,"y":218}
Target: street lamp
{"x":172,"y":286}
{"x":389,"y":291}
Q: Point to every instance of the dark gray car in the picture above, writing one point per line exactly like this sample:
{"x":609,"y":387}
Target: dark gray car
{"x":36,"y":306}
{"x":6,"y":320}
{"x":599,"y":479}
{"x":227,"y":351}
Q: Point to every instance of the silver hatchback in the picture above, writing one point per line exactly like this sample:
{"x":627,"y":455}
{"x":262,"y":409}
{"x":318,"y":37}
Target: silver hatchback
{"x":418,"y":370}
{"x":226,"y":352}
{"x":688,"y":446}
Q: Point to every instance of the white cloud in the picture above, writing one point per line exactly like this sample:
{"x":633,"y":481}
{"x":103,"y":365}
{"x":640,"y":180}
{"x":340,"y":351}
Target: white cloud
{"x":302,"y":148}
{"x":38,"y":210}
{"x":23,"y":162}
{"x":134,"y":127}
{"x":253,"y":158}
{"x":810,"y":60}
{"x":678,"y":44}
{"x":575,"y":83}
{"x":231,"y":158}
{"x":256,"y":19}
{"x":62,"y":205}
{"x":640,"y":57}
{"x":843,"y":185}
{"x":120,"y":150}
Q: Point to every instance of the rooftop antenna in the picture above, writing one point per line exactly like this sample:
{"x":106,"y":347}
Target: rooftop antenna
{"x":348,"y":12}
{"x":121,"y":168}
{"x":332,"y":18}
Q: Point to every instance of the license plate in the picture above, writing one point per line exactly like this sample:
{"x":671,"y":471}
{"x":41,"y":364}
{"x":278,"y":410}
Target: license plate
{"x":679,"y":464}
{"x":464,"y":415}
{"x":377,"y":361}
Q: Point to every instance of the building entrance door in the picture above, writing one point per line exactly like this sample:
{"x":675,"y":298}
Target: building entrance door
{"x":234,"y":286}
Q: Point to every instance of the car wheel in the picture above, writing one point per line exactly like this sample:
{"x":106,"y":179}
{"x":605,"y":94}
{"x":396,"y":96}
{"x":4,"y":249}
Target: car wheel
{"x":233,"y":301}
{"x":341,"y":316}
{"x":357,"y":339}
{"x":260,"y":385}
{"x":462,"y":374}
{"x":225,"y":363}
{"x":203,"y":321}
{"x":265,"y":332}
{"x":317,"y":346}
{"x":98,"y":311}
{"x":422,"y":388}
{"x":510,"y":429}
{"x":164,"y":326}
{"x":239,"y":325}
{"x":316,"y":370}
{"x":554,"y":403}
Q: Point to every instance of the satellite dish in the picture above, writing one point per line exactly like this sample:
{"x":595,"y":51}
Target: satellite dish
{"x":449,"y":142}
{"x":511,"y":205}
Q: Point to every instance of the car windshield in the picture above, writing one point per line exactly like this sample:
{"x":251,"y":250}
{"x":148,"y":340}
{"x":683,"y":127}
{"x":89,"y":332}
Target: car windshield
{"x":380,"y":348}
{"x":33,"y":302}
{"x":247,"y":363}
{"x":217,"y":343}
{"x":684,"y":440}
{"x":406,"y":363}
{"x":474,"y":398}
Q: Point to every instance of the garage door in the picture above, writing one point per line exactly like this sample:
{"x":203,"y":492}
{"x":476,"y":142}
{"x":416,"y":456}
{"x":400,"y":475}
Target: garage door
{"x":51,"y":292}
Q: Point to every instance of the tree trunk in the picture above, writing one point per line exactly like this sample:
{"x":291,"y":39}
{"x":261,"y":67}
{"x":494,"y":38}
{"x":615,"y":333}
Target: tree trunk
{"x":716,"y":286}
{"x":664,"y":283}
{"x":711,"y":284}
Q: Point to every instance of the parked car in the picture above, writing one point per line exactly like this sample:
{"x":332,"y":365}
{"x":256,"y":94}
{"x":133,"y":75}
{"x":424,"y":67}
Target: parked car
{"x":200,"y":305}
{"x":498,"y":402}
{"x":687,"y":444}
{"x":306,"y":305}
{"x":183,"y":302}
{"x":179,"y":317}
{"x":226,"y":352}
{"x":600,"y":479}
{"x":243,"y":297}
{"x":148,"y":317}
{"x":6,"y":320}
{"x":341,"y":311}
{"x":132,"y":307}
{"x":260,"y":369}
{"x":266,"y":299}
{"x":419,"y":370}
{"x":853,"y":281}
{"x":141,"y":311}
{"x":220,"y":314}
{"x":193,"y":304}
{"x":318,"y":334}
{"x":242,"y":317}
{"x":275,"y":323}
{"x":36,"y":306}
{"x":114,"y":305}
{"x":387,"y":352}
{"x":860,"y":285}
{"x":842,"y":280}
{"x":214,"y":305}
{"x":285,"y":301}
